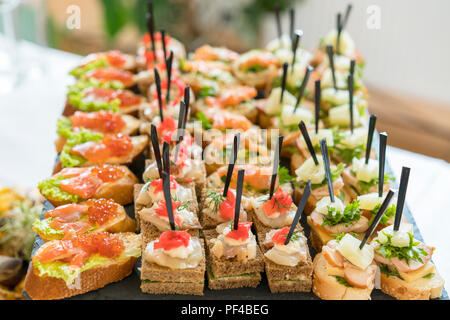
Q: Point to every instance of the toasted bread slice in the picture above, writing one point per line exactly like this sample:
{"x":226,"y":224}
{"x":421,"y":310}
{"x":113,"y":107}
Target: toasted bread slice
{"x":420,"y":289}
{"x":131,"y":128}
{"x":121,"y":191}
{"x":49,"y":288}
{"x":120,"y":223}
{"x":327,"y":287}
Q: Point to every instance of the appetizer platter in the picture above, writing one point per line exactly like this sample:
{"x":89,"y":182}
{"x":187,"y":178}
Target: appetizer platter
{"x":219,"y":175}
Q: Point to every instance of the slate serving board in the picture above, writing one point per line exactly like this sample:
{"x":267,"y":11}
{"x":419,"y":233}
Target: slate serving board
{"x":129,"y":288}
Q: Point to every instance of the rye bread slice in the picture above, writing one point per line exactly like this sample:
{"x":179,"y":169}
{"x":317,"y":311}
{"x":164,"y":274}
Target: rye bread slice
{"x":221,"y":267}
{"x":277,"y":286}
{"x":232,"y":282}
{"x":186,"y":288}
{"x":154,"y":272}
{"x":285,"y":278}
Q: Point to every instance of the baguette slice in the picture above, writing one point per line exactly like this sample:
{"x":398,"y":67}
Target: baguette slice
{"x":121,"y":223}
{"x":50,"y":288}
{"x":326,"y":287}
{"x":139,"y":145}
{"x":120,"y":191}
{"x":131,"y":128}
{"x":420,"y":289}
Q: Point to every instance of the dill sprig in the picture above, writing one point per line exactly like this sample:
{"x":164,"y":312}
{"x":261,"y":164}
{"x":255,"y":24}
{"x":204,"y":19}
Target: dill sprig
{"x":216,"y":198}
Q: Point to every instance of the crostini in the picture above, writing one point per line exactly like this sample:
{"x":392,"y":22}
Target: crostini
{"x":72,"y":185}
{"x":106,"y":122}
{"x":92,"y":216}
{"x":65,"y":268}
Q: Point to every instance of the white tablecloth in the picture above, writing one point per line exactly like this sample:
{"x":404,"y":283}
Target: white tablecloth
{"x":27,"y":131}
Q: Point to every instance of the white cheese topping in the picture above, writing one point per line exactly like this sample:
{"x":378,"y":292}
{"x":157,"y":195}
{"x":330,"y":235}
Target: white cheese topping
{"x":365,"y":172}
{"x":273,"y":105}
{"x":346,"y":43}
{"x":325,"y":203}
{"x":290,"y":118}
{"x":399,"y":238}
{"x":326,"y":134}
{"x":355,"y":139}
{"x":309,"y":170}
{"x":348,"y":246}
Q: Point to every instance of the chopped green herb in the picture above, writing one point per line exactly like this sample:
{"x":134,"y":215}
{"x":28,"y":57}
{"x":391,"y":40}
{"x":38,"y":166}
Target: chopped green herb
{"x":390,"y":272}
{"x":342,"y":281}
{"x":411,"y":252}
{"x":351,"y":213}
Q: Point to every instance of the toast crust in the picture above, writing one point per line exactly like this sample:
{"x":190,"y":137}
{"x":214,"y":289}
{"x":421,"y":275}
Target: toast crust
{"x":421,"y":289}
{"x":327,"y":288}
{"x":49,"y":288}
{"x":121,"y":223}
{"x":120,"y":191}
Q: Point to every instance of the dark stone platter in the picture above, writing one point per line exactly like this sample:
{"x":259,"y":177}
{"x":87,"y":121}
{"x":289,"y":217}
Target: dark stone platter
{"x":129,"y":288}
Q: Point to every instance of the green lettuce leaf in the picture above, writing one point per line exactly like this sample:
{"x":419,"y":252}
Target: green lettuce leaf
{"x":50,"y":189}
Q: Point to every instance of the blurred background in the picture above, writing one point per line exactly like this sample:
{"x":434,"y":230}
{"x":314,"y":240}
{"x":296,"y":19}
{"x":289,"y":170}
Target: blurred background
{"x":407,"y":54}
{"x":404,"y":43}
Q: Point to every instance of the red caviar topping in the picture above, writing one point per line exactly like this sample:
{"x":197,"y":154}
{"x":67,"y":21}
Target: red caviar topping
{"x":84,"y":182}
{"x":108,"y":173}
{"x":115,"y":58}
{"x":112,"y":145}
{"x":101,"y":211}
{"x":77,"y":251}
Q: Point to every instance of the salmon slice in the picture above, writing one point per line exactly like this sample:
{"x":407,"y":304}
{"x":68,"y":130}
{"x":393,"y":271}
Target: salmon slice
{"x":67,"y":213}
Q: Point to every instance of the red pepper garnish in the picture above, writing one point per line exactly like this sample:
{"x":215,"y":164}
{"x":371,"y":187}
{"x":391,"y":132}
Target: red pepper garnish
{"x":158,"y":184}
{"x":161,"y":210}
{"x":281,"y":202}
{"x":172,"y":239}
{"x":241,"y":233}
{"x":280,"y":236}
{"x":226,"y":208}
